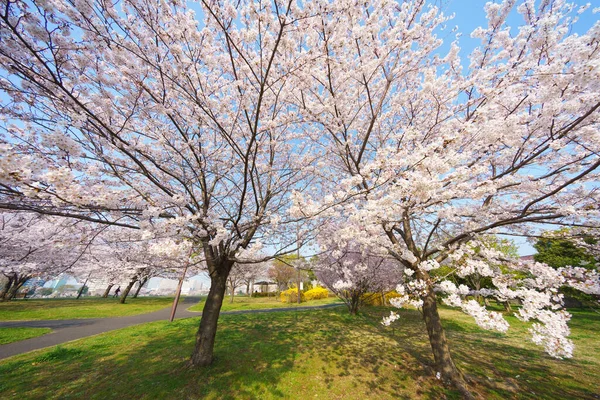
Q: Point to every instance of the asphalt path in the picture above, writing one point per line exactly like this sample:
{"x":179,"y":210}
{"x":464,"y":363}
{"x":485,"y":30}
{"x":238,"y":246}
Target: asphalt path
{"x":67,"y":330}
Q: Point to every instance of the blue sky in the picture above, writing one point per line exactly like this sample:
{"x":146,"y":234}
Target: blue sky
{"x":469,"y":15}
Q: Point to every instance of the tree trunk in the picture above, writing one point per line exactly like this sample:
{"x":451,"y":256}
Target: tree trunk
{"x":142,"y":283}
{"x":6,"y":288}
{"x":354,"y":303}
{"x":17,"y":284}
{"x":127,"y":289}
{"x":507,"y":306}
{"x":12,"y":292}
{"x":80,"y":292}
{"x":232,"y":293}
{"x":205,"y":337}
{"x":439,"y":345}
{"x":107,"y":291}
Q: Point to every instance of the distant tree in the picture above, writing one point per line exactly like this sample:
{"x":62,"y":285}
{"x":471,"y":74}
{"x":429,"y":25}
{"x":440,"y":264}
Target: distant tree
{"x":239,"y":275}
{"x":351,"y":271}
{"x":558,"y":250}
{"x":283,"y":272}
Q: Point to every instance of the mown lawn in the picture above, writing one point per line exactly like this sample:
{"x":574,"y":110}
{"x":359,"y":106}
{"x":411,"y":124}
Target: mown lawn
{"x":9,"y":335}
{"x":322,"y":354}
{"x":34,"y":309}
{"x":261,"y":303}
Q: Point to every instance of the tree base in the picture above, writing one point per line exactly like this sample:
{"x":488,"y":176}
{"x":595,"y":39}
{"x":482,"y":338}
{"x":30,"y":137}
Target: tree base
{"x":199,"y":361}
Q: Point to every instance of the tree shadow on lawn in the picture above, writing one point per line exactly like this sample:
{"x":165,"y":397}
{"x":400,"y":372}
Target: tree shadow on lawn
{"x":151,"y":363}
{"x":499,"y":366}
{"x":326,"y":353}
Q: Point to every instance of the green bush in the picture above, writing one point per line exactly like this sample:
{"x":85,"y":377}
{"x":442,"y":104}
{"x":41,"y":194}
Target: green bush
{"x":291,"y":296}
{"x":316,"y":293}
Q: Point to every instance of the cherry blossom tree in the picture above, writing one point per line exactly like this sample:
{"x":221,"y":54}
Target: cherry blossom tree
{"x":241,"y":274}
{"x":141,"y":114}
{"x":351,"y":272}
{"x":39,"y":246}
{"x":436,"y":151}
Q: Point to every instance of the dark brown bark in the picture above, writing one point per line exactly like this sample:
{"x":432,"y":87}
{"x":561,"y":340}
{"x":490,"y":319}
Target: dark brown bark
{"x":127,"y":290}
{"x":205,"y":337}
{"x":5,"y":288}
{"x":80,"y":292}
{"x":352,"y":298}
{"x":142,"y":283}
{"x":107,"y":291}
{"x":444,"y":364}
{"x":14,"y":289}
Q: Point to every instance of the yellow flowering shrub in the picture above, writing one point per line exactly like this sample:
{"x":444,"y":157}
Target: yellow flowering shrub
{"x":291,"y":296}
{"x":315,"y":293}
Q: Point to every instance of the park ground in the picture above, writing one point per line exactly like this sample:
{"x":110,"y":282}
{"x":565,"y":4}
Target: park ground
{"x":325,"y":354}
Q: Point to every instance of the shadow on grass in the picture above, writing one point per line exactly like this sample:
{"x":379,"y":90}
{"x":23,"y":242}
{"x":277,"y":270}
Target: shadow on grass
{"x":507,"y":366}
{"x":151,"y":363}
{"x":325,"y":354}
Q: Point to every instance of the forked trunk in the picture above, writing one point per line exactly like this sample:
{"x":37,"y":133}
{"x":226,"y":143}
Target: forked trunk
{"x":127,"y":289}
{"x":107,"y":291}
{"x":354,"y":302}
{"x":205,"y":337}
{"x":449,"y":373}
{"x":14,"y":289}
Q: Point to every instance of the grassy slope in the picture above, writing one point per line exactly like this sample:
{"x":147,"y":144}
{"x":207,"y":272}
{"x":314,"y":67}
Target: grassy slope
{"x":324,"y":354}
{"x":261,"y":303}
{"x":83,"y":308}
{"x":9,"y":335}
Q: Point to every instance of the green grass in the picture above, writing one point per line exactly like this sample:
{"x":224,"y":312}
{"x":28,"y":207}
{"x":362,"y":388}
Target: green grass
{"x":261,"y":303}
{"x":18,"y":310}
{"x":325,"y":354}
{"x":9,"y":335}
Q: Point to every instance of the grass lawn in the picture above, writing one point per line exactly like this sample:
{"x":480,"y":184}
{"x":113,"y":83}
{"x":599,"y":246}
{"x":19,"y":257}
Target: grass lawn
{"x":34,"y":309}
{"x":261,"y":303}
{"x":9,"y":335}
{"x":324,"y":354}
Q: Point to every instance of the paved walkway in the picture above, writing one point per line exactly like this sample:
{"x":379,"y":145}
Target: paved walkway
{"x":73,"y":329}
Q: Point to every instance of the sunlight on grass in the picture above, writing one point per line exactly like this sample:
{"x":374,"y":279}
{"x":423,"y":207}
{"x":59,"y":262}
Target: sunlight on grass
{"x":324,"y":354}
{"x":261,"y":303}
{"x":9,"y":335}
{"x":34,"y":309}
